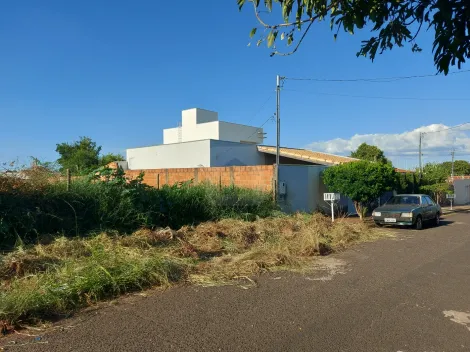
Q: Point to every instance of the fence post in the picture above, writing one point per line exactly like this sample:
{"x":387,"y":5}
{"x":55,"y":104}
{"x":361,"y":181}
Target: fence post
{"x":158,"y":181}
{"x":69,"y":179}
{"x":220,"y":180}
{"x":232,"y":178}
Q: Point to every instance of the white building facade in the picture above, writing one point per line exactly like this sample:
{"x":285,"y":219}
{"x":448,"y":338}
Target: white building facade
{"x":201,"y":141}
{"x":200,"y":124}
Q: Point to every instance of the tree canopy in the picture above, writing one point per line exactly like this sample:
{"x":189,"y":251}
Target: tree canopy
{"x":83,"y":156}
{"x":370,"y":153}
{"x":362,"y":181}
{"x":393,"y":23}
{"x":434,"y":173}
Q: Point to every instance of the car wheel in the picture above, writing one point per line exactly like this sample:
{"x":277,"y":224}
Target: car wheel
{"x":419,"y":223}
{"x":437,"y":220}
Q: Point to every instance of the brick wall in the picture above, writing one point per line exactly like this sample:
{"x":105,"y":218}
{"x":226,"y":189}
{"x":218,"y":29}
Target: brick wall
{"x":255,"y":177}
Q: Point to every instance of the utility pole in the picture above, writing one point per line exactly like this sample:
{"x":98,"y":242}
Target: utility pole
{"x":420,"y":155}
{"x":278,"y":131}
{"x":453,"y":159}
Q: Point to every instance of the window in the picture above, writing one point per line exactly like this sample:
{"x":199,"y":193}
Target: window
{"x":399,"y":200}
{"x":425,"y":200}
{"x":430,"y":201}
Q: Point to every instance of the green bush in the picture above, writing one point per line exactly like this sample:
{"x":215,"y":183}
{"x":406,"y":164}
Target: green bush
{"x":108,"y":201}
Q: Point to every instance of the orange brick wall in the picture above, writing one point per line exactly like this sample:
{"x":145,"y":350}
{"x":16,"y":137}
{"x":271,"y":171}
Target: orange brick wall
{"x":255,"y":177}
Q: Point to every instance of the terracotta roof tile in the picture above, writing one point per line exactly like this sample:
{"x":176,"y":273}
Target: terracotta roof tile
{"x":313,"y":157}
{"x":308,"y":155}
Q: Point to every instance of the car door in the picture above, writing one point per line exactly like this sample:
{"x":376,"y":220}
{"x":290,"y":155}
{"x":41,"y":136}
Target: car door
{"x":425,"y":208}
{"x":432,"y":208}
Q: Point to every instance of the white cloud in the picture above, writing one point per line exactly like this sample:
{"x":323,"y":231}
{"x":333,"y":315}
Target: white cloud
{"x":405,"y":145}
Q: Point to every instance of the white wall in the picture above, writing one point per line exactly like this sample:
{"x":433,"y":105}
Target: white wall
{"x":179,"y":155}
{"x":199,"y":124}
{"x":170,"y":135}
{"x":462,"y":192}
{"x":195,"y":116}
{"x":225,"y":153}
{"x":239,"y":133}
{"x":208,"y":130}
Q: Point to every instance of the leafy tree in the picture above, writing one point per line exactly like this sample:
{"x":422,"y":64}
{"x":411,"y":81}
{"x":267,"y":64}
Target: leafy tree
{"x":83,"y":156}
{"x":434,"y":173}
{"x":370,"y":153}
{"x":394,"y":23}
{"x":362,"y":181}
{"x":437,"y":190}
{"x":406,"y":183}
{"x":109,"y":158}
{"x":80,"y":157}
{"x":461,"y":167}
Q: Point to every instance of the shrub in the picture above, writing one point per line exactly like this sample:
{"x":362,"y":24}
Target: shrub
{"x":107,"y":200}
{"x":362,"y":181}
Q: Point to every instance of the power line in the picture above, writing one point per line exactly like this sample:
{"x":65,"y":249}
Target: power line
{"x":373,"y":80}
{"x":447,"y":129}
{"x":261,"y":108}
{"x":378,"y":97}
{"x":271,"y":118}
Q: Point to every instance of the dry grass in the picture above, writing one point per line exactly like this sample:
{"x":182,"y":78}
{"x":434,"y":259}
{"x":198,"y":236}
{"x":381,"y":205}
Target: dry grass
{"x":241,"y":249}
{"x":66,"y":274}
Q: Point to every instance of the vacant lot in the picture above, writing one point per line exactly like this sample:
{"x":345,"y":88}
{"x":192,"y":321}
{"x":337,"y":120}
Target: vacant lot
{"x":46,"y":281}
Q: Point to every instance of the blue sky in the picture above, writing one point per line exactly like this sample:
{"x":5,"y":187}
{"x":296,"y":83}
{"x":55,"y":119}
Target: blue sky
{"x":120,"y":71}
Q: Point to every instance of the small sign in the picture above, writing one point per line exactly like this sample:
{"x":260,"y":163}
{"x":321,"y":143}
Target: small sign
{"x":331,"y":196}
{"x":450,"y":196}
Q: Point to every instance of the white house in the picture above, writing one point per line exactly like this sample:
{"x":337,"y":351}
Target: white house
{"x":201,"y":141}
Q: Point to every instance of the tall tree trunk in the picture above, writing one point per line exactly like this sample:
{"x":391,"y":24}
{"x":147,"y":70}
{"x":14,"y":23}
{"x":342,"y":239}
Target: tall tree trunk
{"x":358,"y":207}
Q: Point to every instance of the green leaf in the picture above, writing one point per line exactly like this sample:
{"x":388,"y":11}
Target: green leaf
{"x":290,"y":39}
{"x":283,"y":35}
{"x":253,"y":32}
{"x":269,"y":4}
{"x":271,"y":38}
{"x":240,"y":4}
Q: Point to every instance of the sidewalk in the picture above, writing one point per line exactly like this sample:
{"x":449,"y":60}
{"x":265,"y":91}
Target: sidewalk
{"x":456,"y":209}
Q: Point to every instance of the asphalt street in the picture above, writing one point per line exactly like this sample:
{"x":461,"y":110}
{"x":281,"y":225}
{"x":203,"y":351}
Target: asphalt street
{"x":408,"y":293}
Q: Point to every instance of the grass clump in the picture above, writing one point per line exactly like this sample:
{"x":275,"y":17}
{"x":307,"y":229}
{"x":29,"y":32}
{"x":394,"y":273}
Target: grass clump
{"x":61,"y":282}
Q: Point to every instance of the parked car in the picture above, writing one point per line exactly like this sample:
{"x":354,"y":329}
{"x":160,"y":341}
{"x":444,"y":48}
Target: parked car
{"x":408,"y":210}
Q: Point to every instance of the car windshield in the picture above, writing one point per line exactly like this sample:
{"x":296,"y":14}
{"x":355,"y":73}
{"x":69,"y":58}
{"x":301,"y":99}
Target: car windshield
{"x":404,"y":200}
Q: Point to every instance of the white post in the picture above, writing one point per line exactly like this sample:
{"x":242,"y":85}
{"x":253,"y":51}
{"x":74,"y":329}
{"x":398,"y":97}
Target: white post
{"x":451,"y":201}
{"x":332,"y":211}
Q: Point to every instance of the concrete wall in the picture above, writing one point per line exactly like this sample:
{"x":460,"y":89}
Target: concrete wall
{"x":240,"y":133}
{"x":171,"y":135}
{"x":462,"y":192}
{"x":199,"y":124}
{"x":205,"y":153}
{"x":179,"y":155}
{"x":192,"y":117}
{"x":208,"y":130}
{"x":304,"y":187}
{"x":235,"y":154}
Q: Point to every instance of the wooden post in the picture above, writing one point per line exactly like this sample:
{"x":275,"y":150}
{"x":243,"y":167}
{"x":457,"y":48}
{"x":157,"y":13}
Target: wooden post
{"x":220,"y":180}
{"x":158,"y":181}
{"x":69,"y":179}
